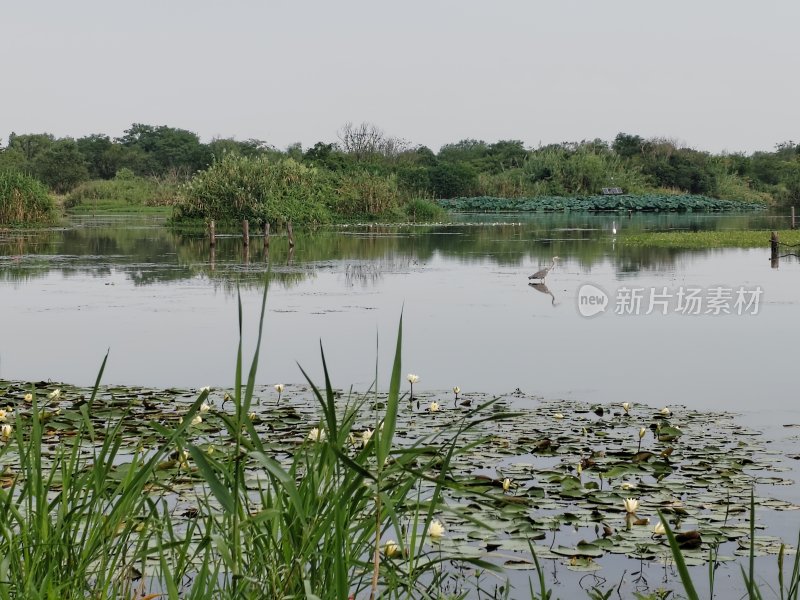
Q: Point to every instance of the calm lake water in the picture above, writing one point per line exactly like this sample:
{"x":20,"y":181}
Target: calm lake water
{"x":166,"y":307}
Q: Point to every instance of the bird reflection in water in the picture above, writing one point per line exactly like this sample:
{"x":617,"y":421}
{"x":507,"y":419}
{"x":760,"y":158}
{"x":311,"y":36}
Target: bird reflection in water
{"x":541,"y":287}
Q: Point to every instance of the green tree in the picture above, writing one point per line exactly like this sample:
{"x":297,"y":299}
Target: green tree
{"x":101,"y":161}
{"x":627,"y":146}
{"x":30,"y":145}
{"x":465,"y":151}
{"x":219,"y":147}
{"x":168,"y":149}
{"x":451,"y":180}
{"x":506,"y":154}
{"x":61,"y":166}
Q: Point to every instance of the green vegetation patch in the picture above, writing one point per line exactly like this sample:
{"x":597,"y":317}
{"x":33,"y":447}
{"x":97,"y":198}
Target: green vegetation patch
{"x":255,"y":188}
{"x":23,"y":199}
{"x":710,"y":239}
{"x":124,"y":189}
{"x":645,"y":202}
{"x":571,"y":481}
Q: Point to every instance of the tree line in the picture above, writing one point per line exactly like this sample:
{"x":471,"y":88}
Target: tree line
{"x":470,"y":167}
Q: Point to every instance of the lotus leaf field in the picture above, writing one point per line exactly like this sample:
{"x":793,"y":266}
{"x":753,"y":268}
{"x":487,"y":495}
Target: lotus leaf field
{"x":576,"y":483}
{"x":622,"y":202}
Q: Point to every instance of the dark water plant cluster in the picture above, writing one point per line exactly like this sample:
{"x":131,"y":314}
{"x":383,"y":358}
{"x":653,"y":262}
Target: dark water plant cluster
{"x":191,"y":500}
{"x":622,"y":202}
{"x":310,"y":492}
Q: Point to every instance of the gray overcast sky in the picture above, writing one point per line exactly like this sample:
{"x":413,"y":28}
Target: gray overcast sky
{"x":716,"y":75}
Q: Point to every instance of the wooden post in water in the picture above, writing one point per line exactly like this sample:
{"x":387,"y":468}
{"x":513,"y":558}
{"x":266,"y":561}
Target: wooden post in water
{"x":212,"y":236}
{"x":793,"y":225}
{"x":773,"y":246}
{"x":290,"y":233}
{"x":266,"y":234}
{"x":246,"y":232}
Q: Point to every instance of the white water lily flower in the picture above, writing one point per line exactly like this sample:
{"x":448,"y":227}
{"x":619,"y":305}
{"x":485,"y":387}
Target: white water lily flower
{"x":252,"y":416}
{"x":642,"y":432}
{"x":279,"y":388}
{"x":436,"y":529}
{"x":631,"y":505}
{"x":558,"y":416}
{"x":626,"y":485}
{"x":197,"y":420}
{"x":316,"y":434}
{"x":6,"y":431}
{"x":205,"y":407}
{"x":506,"y":484}
{"x":626,"y":406}
{"x":665,"y":411}
{"x":659,"y":529}
{"x":456,"y":390}
{"x":28,"y":397}
{"x":55,"y":394}
{"x":412,"y":378}
{"x":366,"y":436}
{"x":205,"y":389}
{"x":390,"y":548}
{"x":434,"y":407}
{"x":4,"y":414}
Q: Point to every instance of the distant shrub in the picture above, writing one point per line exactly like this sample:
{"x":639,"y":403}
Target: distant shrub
{"x":23,"y":199}
{"x":364,"y":194}
{"x":423,"y":210}
{"x":125,"y":187}
{"x":733,"y":187}
{"x":257,"y":188}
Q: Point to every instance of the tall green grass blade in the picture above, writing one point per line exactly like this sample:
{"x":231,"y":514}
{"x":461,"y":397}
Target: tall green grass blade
{"x":221,"y":493}
{"x":386,"y":434}
{"x":680,"y":564}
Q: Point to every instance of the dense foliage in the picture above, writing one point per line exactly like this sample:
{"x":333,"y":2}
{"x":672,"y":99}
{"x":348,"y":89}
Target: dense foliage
{"x":269,"y":189}
{"x":256,"y":188}
{"x":23,"y":199}
{"x":647,"y":202}
{"x":367,"y":173}
{"x":125,"y":187}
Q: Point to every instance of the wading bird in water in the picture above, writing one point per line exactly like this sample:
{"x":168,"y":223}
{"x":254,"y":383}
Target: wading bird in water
{"x":542,"y":273}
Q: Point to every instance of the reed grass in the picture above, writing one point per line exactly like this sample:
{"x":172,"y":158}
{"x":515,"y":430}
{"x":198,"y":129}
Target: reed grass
{"x":313,"y":524}
{"x":23,"y":199}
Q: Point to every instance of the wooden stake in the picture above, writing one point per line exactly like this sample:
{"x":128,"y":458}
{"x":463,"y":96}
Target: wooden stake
{"x":266,"y":234}
{"x":246,"y":232}
{"x":793,"y":223}
{"x":212,"y":236}
{"x":773,"y":246}
{"x":290,"y":233}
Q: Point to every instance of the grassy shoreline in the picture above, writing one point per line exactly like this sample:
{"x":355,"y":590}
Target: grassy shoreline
{"x":699,"y":240}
